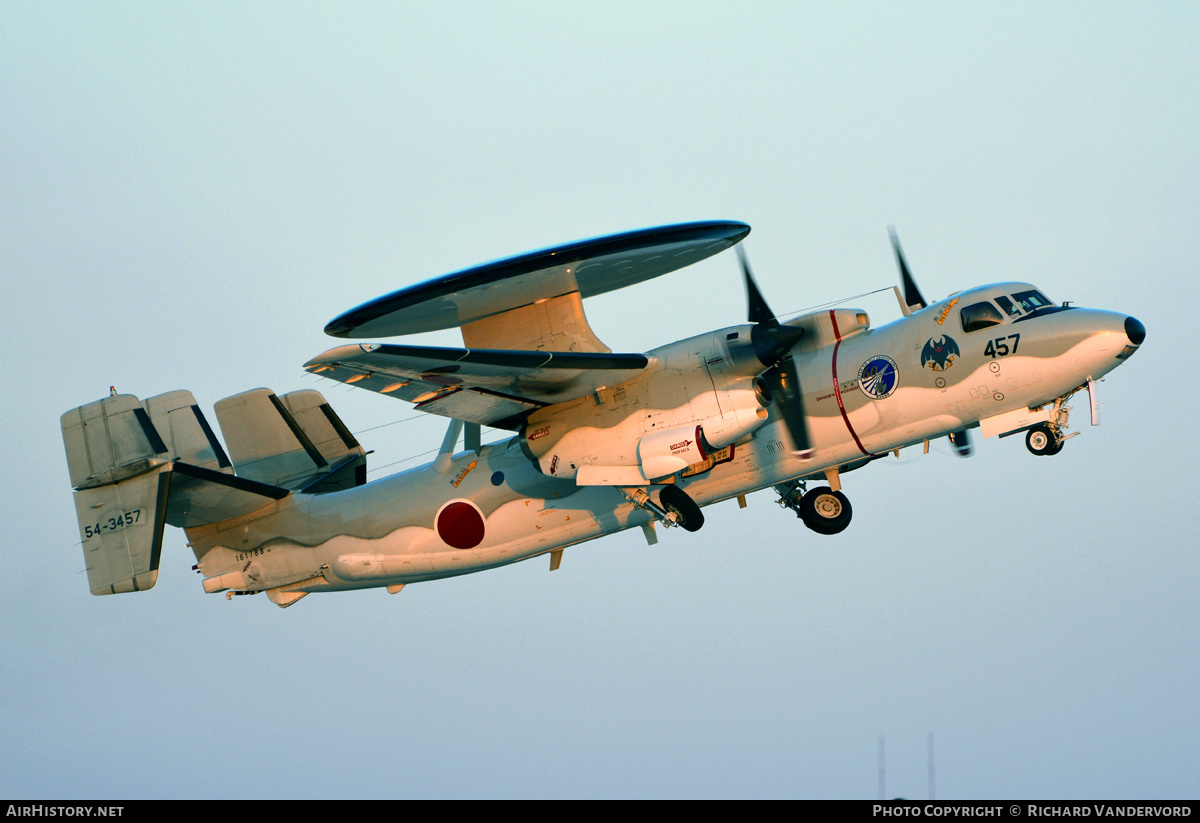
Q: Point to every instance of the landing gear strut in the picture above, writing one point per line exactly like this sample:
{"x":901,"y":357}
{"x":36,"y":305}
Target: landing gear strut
{"x":823,"y":509}
{"x":676,"y":501}
{"x":1047,"y":438}
{"x":673,"y":508}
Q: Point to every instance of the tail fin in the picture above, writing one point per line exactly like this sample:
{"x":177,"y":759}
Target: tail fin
{"x":295,"y":441}
{"x":138,"y":466}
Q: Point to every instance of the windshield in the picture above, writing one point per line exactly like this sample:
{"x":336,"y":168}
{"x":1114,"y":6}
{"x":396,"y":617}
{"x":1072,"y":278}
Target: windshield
{"x":1009,"y":306}
{"x":1031,"y":300}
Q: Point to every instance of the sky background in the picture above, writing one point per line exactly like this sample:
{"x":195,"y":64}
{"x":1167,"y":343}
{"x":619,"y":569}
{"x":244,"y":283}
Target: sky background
{"x":190,"y":192}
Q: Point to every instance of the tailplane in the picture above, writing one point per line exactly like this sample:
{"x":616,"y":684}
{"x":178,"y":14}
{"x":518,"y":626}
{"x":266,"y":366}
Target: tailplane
{"x":138,"y":466}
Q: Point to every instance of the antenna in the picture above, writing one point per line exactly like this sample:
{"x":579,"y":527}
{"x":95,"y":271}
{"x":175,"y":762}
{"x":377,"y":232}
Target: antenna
{"x":931,"y":795}
{"x":883,"y":769}
{"x":882,"y":792}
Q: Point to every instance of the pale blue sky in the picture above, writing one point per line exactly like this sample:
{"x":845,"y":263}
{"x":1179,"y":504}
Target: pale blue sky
{"x":190,"y":192}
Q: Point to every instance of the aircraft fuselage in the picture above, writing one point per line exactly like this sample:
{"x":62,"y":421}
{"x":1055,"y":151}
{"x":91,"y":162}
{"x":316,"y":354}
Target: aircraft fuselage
{"x":866,"y":392}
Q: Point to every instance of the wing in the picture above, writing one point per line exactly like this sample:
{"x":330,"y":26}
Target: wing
{"x":491,"y":387}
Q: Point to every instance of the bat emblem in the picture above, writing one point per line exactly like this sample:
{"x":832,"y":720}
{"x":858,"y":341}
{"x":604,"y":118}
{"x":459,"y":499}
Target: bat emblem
{"x":939,"y":353}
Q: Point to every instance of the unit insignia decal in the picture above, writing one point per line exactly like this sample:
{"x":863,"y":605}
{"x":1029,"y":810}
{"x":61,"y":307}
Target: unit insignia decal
{"x":878,"y":377}
{"x":939,"y":353}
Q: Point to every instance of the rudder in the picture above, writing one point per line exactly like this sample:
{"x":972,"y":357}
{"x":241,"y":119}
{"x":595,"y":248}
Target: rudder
{"x":119,"y":463}
{"x":295,"y":441}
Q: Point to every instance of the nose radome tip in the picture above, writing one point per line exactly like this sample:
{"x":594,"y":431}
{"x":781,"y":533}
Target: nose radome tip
{"x":1135,"y":331}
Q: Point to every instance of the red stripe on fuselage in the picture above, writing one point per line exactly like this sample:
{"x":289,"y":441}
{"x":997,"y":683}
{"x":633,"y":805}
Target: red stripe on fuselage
{"x":837,"y":389}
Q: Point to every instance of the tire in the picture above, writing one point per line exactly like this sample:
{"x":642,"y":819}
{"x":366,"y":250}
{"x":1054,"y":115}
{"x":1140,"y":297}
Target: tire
{"x":1041,"y":440}
{"x":826,"y":511}
{"x":675,"y":499}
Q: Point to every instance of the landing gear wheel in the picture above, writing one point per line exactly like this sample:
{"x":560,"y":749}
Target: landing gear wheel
{"x":675,"y":499}
{"x":825,"y":511}
{"x":1041,"y":440}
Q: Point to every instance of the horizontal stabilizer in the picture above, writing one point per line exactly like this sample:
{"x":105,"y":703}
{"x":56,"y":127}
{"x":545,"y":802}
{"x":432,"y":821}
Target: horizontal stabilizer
{"x":199,"y":496}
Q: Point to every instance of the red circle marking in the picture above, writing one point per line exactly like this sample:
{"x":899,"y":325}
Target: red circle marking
{"x":460,"y":524}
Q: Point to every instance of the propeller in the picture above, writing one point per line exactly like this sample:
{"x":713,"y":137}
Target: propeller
{"x":914,"y":301}
{"x":772,"y":342}
{"x":962,"y":442}
{"x":912,"y":295}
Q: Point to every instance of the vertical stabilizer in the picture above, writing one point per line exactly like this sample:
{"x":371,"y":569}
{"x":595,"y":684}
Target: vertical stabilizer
{"x":122,"y":525}
{"x":346,"y":458}
{"x":295,"y":441}
{"x":110,"y":440}
{"x":119,"y":464}
{"x":182,"y":425}
{"x":138,"y":466}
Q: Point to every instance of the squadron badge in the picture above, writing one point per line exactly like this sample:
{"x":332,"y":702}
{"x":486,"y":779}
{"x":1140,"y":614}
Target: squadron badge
{"x":939,"y":353}
{"x":878,"y":377}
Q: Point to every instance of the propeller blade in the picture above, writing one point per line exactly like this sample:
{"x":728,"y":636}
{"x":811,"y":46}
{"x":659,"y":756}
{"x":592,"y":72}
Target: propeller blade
{"x":962,"y":442}
{"x":792,"y":406}
{"x":773,"y":343}
{"x":912,"y":295}
{"x":758,"y":310}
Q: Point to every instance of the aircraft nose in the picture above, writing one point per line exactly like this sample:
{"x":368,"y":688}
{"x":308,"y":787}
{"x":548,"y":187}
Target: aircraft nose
{"x":1135,"y":331}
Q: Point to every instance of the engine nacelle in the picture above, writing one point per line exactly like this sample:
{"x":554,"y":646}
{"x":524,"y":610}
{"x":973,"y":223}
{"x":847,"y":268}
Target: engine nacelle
{"x":671,"y":450}
{"x":743,"y":411}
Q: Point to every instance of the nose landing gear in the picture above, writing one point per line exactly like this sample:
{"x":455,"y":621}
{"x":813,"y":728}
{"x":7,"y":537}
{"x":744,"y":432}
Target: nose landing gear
{"x":1043,"y":440}
{"x":1046,"y":439}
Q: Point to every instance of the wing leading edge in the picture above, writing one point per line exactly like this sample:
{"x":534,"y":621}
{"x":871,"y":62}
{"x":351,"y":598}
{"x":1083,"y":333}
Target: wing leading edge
{"x":491,"y":387}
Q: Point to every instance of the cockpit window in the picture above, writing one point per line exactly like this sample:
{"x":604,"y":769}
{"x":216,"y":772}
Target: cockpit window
{"x":1031,"y":300}
{"x":980,"y":316}
{"x":1008,"y":306}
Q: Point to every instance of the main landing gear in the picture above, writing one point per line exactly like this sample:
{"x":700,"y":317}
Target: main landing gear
{"x":676,"y":502}
{"x":823,"y":509}
{"x":673,"y":508}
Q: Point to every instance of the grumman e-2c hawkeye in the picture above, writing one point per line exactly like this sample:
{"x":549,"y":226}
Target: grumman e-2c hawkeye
{"x":602,"y":441}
